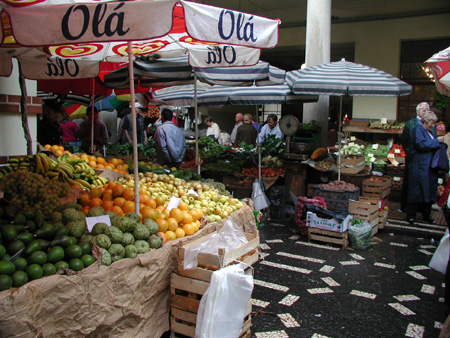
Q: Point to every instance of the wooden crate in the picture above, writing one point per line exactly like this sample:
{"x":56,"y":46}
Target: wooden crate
{"x":352,"y":165}
{"x":364,"y":209}
{"x":208,"y":263}
{"x":340,"y":238}
{"x":383,"y":215}
{"x":186,"y":294}
{"x":379,"y":188}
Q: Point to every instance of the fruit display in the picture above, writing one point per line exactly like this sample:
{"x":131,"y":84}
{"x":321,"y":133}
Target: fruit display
{"x":265,"y":172}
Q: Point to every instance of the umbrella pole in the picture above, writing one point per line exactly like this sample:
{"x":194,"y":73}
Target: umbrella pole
{"x":133,"y":114}
{"x":257,"y":142}
{"x":197,"y":155}
{"x":92,"y":116}
{"x":339,"y":140}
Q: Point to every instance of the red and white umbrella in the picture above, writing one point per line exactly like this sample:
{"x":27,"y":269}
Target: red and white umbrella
{"x":439,"y":65}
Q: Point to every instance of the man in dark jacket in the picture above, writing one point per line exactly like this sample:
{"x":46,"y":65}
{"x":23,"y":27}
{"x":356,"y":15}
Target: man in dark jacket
{"x":48,"y":131}
{"x":100,"y":132}
{"x":246,"y":132}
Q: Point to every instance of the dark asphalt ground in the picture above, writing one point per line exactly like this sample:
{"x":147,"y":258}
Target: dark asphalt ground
{"x":319,"y":290}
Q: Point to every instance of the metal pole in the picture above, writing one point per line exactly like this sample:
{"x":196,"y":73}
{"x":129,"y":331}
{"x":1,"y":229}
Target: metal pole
{"x":197,"y":155}
{"x":339,"y":139}
{"x":133,"y":118}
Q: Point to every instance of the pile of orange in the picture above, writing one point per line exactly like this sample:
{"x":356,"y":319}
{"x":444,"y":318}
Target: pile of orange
{"x":56,"y":149}
{"x":175,"y":223}
{"x":115,"y":164}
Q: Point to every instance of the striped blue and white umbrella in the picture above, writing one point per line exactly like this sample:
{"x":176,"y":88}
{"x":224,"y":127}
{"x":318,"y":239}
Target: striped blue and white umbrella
{"x":178,"y":95}
{"x":346,"y":78}
{"x":177,"y":71}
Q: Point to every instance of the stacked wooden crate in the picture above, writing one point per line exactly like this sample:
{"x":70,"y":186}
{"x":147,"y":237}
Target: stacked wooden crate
{"x":188,"y":286}
{"x":367,"y":210}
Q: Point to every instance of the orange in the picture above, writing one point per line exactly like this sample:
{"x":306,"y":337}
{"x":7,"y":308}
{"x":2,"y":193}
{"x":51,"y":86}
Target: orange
{"x":84,"y":199}
{"x":84,"y":156}
{"x":59,"y":153}
{"x":128,"y":194}
{"x":95,"y":202}
{"x":54,"y":148}
{"x":183,"y":206}
{"x":159,"y":201}
{"x":107,"y":205}
{"x":100,"y":166}
{"x":177,"y":214}
{"x":96,"y":192}
{"x":47,"y":146}
{"x":179,"y":232}
{"x":110,"y":167}
{"x":86,"y":209}
{"x":129,"y":206}
{"x":162,"y":223}
{"x":92,"y":158}
{"x":120,"y":161}
{"x":119,"y":201}
{"x":172,"y":224}
{"x":115,"y":162}
{"x":61,"y":148}
{"x":151,"y":202}
{"x":143,"y":197}
{"x":118,"y":190}
{"x":195,"y":214}
{"x":117,"y":210}
{"x":147,"y":212}
{"x":111,"y":185}
{"x":108,"y":195}
{"x":171,"y":235}
{"x":101,"y":160}
{"x":196,"y":226}
{"x":187,"y":218}
{"x":189,"y":229}
{"x":93,"y":164}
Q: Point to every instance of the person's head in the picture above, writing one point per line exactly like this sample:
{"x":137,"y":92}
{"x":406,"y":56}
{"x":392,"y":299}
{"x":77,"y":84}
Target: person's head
{"x":238,"y":117}
{"x":209,"y":121}
{"x":125,"y":112}
{"x":421,"y":108}
{"x":272,"y":120}
{"x":137,"y":107}
{"x":166,"y":115}
{"x":247,"y":118}
{"x":89,"y":112}
{"x":53,"y":111}
{"x":429,"y":119}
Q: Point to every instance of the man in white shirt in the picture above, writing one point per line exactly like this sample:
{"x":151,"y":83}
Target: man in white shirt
{"x":239,"y":122}
{"x":270,"y":128}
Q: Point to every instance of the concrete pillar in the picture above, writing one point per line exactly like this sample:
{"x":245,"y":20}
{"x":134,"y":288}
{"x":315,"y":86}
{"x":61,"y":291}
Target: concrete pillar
{"x":318,"y":45}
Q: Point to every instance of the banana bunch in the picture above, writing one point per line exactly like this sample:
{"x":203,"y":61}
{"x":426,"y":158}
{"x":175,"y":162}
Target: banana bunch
{"x":86,"y":176}
{"x":5,"y":170}
{"x":43,"y":163}
{"x":24,"y":163}
{"x":65,"y":158}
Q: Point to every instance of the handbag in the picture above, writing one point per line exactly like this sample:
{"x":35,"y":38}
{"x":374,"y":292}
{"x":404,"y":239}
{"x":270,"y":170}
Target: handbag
{"x":440,"y":159}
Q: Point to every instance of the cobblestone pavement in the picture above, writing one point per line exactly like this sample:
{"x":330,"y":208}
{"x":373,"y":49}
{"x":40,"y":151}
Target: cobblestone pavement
{"x":319,"y":290}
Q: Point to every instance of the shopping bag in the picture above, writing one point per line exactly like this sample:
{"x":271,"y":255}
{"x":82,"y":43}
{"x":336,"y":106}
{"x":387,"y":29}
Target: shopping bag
{"x":441,"y":256}
{"x":259,"y":198}
{"x":221,"y":312}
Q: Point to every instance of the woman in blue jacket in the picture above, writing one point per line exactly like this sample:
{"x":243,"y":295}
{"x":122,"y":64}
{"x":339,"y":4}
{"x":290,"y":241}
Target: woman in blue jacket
{"x":422,"y":189}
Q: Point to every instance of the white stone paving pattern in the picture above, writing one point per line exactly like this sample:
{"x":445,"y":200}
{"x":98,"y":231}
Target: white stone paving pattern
{"x":415,"y":331}
{"x":349,"y":263}
{"x":419,"y":267}
{"x":320,"y":246}
{"x":304,"y":258}
{"x":264,"y":246}
{"x":363,"y":294}
{"x":289,"y":300}
{"x":318,"y":291}
{"x":416,"y":275}
{"x":426,"y":252}
{"x":272,"y":334}
{"x":288,"y":320}
{"x":270,"y":241}
{"x":260,"y":303}
{"x":402,"y":309}
{"x":270,"y":285}
{"x":429,"y":289}
{"x":286,"y":267}
{"x":357,"y":257}
{"x":406,"y":298}
{"x":383,"y":265}
{"x":327,"y":268}
{"x":399,"y":244}
{"x":330,"y":281}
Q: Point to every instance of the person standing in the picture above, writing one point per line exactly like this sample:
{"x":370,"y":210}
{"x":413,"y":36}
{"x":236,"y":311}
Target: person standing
{"x":127,"y":126}
{"x":238,"y":118}
{"x":270,"y":128}
{"x":170,"y":143}
{"x":406,"y":144}
{"x":213,"y":130}
{"x":48,"y":131}
{"x":246,"y":132}
{"x":69,"y":130}
{"x":422,"y":191}
{"x":100,"y":132}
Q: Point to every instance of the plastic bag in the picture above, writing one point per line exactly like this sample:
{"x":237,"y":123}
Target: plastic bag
{"x":259,"y":198}
{"x":229,"y":237}
{"x":221,"y":312}
{"x":360,"y":235}
{"x":441,"y":256}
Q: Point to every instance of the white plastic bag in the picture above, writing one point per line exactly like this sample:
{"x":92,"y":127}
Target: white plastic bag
{"x":440,"y":257}
{"x":259,"y":198}
{"x":229,"y":237}
{"x":221,"y":312}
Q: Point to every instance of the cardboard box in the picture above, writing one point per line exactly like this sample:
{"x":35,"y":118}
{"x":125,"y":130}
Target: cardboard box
{"x":314,"y":221}
{"x":352,"y":165}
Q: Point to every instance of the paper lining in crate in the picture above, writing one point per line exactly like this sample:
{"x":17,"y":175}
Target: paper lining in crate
{"x":352,"y":165}
{"x":186,"y":294}
{"x":377,"y":186}
{"x":208,"y":263}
